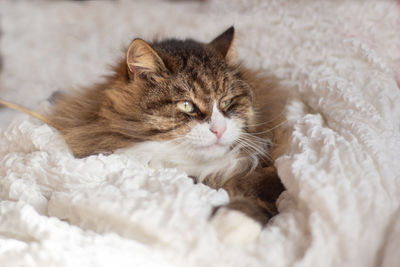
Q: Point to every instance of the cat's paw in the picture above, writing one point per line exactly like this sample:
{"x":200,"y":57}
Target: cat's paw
{"x":235,"y":227}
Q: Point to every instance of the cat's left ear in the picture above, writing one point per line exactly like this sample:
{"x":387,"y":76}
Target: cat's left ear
{"x":142,"y":58}
{"x":224,"y":43}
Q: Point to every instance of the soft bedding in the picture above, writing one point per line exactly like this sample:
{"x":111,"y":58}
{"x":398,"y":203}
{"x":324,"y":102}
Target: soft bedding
{"x":341,"y":61}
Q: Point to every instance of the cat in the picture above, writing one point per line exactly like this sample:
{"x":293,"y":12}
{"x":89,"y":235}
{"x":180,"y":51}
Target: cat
{"x":192,"y":106}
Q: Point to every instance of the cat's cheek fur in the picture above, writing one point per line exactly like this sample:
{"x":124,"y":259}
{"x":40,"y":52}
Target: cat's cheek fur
{"x":232,"y":133}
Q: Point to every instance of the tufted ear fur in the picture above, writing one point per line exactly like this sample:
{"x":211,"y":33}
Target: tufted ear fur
{"x":142,"y":58}
{"x":223,"y":43}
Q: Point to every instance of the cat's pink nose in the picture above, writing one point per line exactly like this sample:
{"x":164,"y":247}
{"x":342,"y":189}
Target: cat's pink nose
{"x":218,"y":131}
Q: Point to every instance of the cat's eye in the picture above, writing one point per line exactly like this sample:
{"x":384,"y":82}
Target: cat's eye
{"x":226,"y":103}
{"x":186,"y":106}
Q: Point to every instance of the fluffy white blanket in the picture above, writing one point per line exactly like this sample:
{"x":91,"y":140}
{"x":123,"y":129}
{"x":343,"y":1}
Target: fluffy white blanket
{"x":341,"y":169}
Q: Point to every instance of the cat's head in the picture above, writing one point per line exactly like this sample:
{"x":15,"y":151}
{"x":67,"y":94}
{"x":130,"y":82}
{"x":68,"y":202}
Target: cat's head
{"x":186,"y":92}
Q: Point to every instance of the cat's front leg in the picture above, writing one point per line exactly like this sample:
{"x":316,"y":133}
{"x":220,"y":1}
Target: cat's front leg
{"x":252,"y":204}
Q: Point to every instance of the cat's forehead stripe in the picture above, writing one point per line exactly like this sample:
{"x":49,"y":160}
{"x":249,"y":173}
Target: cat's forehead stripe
{"x":202,"y":84}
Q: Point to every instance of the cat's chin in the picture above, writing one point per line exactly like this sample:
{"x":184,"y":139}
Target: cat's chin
{"x":212,"y":151}
{"x":212,"y":147}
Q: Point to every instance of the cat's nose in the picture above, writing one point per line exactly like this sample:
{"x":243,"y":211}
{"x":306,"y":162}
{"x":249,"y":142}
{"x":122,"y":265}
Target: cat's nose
{"x":218,"y":131}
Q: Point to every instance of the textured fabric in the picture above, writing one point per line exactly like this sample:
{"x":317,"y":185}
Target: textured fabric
{"x":341,"y":169}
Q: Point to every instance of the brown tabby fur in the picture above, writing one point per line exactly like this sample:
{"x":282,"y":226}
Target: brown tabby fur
{"x":138,"y":103}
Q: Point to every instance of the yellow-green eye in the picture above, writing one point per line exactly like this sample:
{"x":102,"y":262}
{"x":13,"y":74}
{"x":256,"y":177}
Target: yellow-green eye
{"x":186,"y":106}
{"x":226,"y":103}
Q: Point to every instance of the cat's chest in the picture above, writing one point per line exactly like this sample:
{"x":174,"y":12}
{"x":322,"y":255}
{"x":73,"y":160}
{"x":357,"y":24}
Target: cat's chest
{"x":163,"y":154}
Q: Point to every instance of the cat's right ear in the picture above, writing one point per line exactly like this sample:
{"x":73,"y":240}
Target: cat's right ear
{"x":142,"y":58}
{"x":224,"y":44}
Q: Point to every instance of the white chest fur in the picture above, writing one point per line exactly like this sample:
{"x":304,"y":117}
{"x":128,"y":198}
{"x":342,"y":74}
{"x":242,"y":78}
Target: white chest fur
{"x":166,"y":154}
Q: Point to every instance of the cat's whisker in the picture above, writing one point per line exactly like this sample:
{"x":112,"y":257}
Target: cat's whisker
{"x":255,"y":150}
{"x":251,"y":145}
{"x":256,"y":155}
{"x":256,"y":144}
{"x":245,"y":148}
{"x":273,"y":128}
{"x":256,"y":139}
{"x":266,"y":122}
{"x":250,"y":142}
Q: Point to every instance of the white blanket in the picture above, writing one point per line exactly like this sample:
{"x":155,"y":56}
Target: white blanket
{"x":341,"y":169}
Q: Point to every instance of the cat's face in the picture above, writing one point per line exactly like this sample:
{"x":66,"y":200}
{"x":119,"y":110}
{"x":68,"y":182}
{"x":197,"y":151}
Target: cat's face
{"x":209,"y":114}
{"x":188,"y":94}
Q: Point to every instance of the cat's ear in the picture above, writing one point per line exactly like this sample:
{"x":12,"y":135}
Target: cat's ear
{"x":142,"y":58}
{"x":224,"y":42}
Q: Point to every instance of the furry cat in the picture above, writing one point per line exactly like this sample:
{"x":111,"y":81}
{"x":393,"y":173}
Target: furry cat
{"x":189,"y":105}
